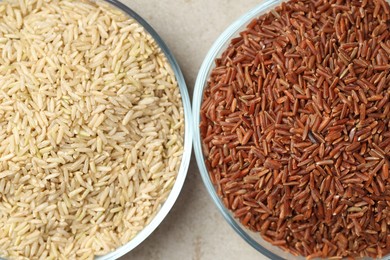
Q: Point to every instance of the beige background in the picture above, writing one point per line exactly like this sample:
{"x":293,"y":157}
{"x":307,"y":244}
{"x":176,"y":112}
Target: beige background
{"x":194,"y":229}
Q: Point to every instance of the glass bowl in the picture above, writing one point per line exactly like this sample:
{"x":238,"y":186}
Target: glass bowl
{"x":187,"y":148}
{"x":173,"y":195}
{"x":219,"y":46}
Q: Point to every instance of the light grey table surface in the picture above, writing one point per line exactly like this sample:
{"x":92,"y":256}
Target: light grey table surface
{"x":194,"y":229}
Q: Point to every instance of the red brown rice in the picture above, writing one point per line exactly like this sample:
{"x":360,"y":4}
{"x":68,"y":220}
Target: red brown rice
{"x":295,"y":125}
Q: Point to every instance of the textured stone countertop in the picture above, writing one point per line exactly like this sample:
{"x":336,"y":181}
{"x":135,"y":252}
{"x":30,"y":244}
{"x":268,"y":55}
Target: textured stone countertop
{"x":194,"y":229}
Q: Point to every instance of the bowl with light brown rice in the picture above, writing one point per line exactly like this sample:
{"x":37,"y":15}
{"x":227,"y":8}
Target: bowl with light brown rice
{"x":94,"y":139}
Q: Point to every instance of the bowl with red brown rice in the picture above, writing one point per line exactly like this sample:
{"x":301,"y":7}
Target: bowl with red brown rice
{"x":292,"y":119}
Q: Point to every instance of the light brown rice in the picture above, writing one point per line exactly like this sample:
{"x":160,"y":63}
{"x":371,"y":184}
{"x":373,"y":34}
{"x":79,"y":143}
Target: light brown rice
{"x":91,"y":129}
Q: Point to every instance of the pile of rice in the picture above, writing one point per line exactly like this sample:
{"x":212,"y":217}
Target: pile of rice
{"x":91,"y":129}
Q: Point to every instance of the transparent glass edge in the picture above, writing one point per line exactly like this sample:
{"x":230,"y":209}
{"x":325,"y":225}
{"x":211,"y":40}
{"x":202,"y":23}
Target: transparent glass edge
{"x":188,"y":137}
{"x":197,"y":99}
